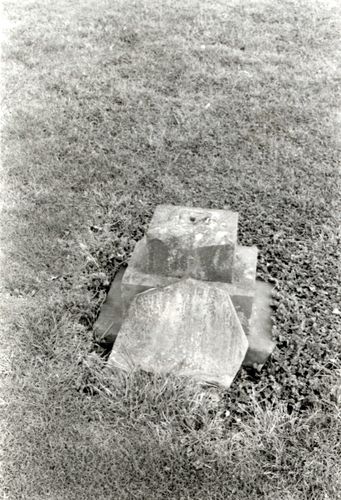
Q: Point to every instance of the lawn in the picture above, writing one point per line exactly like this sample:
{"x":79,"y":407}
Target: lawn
{"x":109,"y":109}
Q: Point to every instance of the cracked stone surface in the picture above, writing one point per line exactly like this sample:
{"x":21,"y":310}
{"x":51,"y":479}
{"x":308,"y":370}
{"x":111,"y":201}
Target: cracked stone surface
{"x":188,"y":328}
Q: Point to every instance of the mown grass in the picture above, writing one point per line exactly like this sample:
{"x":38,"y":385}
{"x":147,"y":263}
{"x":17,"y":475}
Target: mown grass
{"x":112,"y":108}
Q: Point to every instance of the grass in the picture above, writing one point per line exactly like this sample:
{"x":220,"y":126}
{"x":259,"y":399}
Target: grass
{"x":111,"y":108}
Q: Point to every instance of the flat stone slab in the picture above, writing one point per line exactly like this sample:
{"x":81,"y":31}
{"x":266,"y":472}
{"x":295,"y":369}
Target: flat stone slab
{"x":110,"y":318}
{"x":189,"y":328}
{"x":259,"y":335}
{"x":194,"y":242}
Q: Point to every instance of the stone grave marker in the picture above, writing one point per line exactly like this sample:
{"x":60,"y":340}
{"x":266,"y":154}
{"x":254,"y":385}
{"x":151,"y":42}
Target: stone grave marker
{"x":189,"y":266}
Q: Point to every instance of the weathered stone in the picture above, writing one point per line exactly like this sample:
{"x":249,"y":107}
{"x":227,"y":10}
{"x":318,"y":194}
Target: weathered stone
{"x":135,"y":282}
{"x":244,"y":276}
{"x":139,"y":255}
{"x":187,"y":229}
{"x":259,"y":334}
{"x":243,"y":272}
{"x":252,"y":307}
{"x":188,"y":328}
{"x":242,"y":300}
{"x":245,"y":267}
{"x":194,"y":242}
{"x":255,"y":319}
{"x":110,"y":319}
{"x":242,"y":292}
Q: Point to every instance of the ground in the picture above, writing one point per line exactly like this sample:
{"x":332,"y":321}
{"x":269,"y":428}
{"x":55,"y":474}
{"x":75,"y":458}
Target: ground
{"x":113,"y":107}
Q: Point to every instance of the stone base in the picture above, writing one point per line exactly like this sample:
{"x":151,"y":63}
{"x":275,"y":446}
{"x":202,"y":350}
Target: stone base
{"x":259,"y":335}
{"x":245,"y":267}
{"x":241,"y":290}
{"x":136,"y":281}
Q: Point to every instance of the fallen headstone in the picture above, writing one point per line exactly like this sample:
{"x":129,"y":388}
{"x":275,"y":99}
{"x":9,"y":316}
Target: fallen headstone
{"x":189,"y":328}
